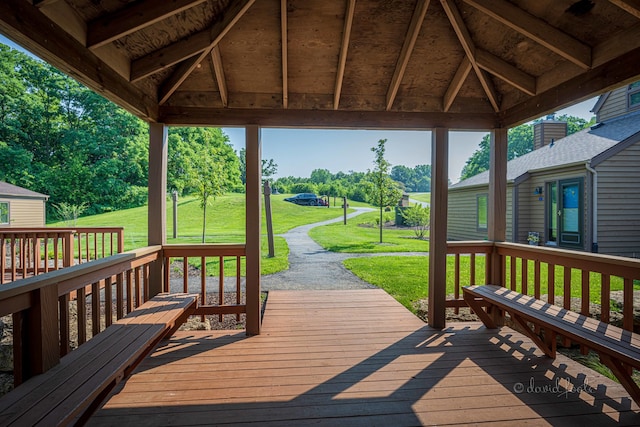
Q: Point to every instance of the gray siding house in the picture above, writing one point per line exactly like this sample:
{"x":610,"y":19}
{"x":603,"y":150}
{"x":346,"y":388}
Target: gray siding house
{"x":21,"y":208}
{"x":578,"y":192}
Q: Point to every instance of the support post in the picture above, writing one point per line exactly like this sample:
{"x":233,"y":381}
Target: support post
{"x":267,"y":211}
{"x":438,"y":227}
{"x":497,"y":215}
{"x":253,"y":223}
{"x":157,"y":211}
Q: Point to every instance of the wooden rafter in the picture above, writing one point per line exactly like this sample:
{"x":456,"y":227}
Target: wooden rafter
{"x":507,"y":72}
{"x":217,"y":32}
{"x":458,"y":80}
{"x":285,"y":66}
{"x":216,"y":59}
{"x":132,"y":18}
{"x":631,"y":6}
{"x":40,"y":3}
{"x":23,"y":22}
{"x":187,"y":47}
{"x":409,"y":42}
{"x":342,"y":62}
{"x":469,"y":47}
{"x":536,"y":29}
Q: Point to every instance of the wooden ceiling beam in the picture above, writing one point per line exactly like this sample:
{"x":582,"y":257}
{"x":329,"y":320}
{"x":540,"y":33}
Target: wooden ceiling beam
{"x":619,"y":70}
{"x":285,"y":65}
{"x":344,"y":48}
{"x":24,"y":23}
{"x":456,"y":84}
{"x":216,"y":33}
{"x":536,"y":29}
{"x":133,"y":17}
{"x":630,"y":6}
{"x":216,"y":60}
{"x":407,"y":48}
{"x":328,"y":119}
{"x":186,"y":47}
{"x":469,"y":47}
{"x":507,"y":72}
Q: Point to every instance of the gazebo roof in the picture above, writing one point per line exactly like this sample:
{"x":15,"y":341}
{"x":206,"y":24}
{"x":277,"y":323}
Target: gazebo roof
{"x":461,"y":64}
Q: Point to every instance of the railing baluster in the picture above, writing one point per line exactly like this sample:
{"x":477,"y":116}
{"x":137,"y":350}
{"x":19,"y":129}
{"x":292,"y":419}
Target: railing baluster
{"x":95,"y":308}
{"x":472,"y":269}
{"x":167,"y":274}
{"x":13,"y":259}
{"x":108,"y":302}
{"x":524,"y":287}
{"x":137,"y":286}
{"x":129,"y":291}
{"x":456,"y":281}
{"x":584,"y":306}
{"x":81,"y":308}
{"x":536,"y":279}
{"x":65,"y":324}
{"x":238,"y":288}
{"x":627,"y":304}
{"x":119,"y":296}
{"x":605,"y":297}
{"x":567,"y":288}
{"x":221,"y":285}
{"x":551,"y":283}
{"x":185,"y":274}
{"x":513,"y":272}
{"x":3,"y":259}
{"x":203,"y":284}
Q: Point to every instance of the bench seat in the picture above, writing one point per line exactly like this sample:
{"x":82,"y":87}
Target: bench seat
{"x":69,"y":392}
{"x":618,"y":349}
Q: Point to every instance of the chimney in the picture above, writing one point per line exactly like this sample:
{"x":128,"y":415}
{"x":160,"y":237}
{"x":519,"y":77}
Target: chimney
{"x":548,"y":130}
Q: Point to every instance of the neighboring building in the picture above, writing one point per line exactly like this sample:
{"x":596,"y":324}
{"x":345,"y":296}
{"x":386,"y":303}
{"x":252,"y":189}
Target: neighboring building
{"x":21,"y":208}
{"x":579,"y":192}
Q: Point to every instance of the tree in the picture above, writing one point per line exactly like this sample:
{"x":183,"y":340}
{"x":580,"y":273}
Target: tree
{"x":385,"y":190}
{"x":269,"y":167}
{"x":418,"y":217}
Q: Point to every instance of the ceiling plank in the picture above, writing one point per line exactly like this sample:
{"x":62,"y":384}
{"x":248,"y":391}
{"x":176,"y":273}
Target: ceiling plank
{"x":630,"y":6}
{"x":187,"y":47}
{"x":216,"y":33}
{"x":458,"y":80}
{"x":285,"y":66}
{"x":618,"y":44}
{"x":405,"y":54}
{"x":342,"y":119}
{"x":610,"y":75}
{"x":469,"y":47}
{"x":507,"y":72}
{"x":342,"y":62}
{"x":536,"y":29}
{"x":133,"y":17}
{"x":40,"y":3}
{"x":216,"y":59}
{"x":23,"y":23}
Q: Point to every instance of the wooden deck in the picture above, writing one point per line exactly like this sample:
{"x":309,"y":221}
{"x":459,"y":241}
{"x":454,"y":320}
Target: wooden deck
{"x":359,"y":358}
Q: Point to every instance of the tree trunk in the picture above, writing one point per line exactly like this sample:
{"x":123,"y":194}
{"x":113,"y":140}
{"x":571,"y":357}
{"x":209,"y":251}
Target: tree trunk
{"x":204,"y":220}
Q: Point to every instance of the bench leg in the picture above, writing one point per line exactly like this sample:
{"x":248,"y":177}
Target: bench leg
{"x":549,"y":350}
{"x":477,"y":309}
{"x":622,"y":374}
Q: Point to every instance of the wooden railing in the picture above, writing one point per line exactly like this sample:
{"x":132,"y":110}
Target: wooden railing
{"x":46,"y":309}
{"x":549,"y":273}
{"x":219,"y":257}
{"x":34,"y":251}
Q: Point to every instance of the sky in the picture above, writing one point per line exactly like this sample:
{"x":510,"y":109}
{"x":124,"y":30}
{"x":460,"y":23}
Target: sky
{"x":299,"y":151}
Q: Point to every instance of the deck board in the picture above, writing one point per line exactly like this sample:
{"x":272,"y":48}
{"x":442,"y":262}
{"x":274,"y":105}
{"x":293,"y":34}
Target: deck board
{"x":359,"y":358}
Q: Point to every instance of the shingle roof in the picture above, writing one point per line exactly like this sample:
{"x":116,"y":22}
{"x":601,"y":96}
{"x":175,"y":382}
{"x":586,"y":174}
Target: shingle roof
{"x":7,"y":189}
{"x":578,"y":147}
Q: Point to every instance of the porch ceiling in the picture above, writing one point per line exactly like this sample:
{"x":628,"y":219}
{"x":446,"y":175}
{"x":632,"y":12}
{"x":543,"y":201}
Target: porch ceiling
{"x":462,"y":64}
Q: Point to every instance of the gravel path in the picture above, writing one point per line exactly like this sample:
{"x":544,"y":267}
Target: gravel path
{"x":312,"y":267}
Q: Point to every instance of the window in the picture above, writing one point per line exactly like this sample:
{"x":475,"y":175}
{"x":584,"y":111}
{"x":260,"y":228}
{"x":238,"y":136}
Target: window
{"x":634,"y":95}
{"x":4,"y":213}
{"x":482,"y":212}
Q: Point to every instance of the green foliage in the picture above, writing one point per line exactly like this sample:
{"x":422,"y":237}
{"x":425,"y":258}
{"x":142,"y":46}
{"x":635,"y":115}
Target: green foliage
{"x":416,"y":179}
{"x":269,"y":167}
{"x":520,"y":142}
{"x":385,"y":191}
{"x":417,"y":216}
{"x":69,"y":213}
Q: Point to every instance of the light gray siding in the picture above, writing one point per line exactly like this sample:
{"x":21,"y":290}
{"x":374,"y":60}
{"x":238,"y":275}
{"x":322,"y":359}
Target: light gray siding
{"x":24,"y":213}
{"x":614,"y":106}
{"x":619,"y":203}
{"x":463,"y":218}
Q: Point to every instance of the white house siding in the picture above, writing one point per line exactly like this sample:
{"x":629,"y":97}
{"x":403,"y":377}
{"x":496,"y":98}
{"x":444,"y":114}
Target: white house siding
{"x":24,"y":213}
{"x":615,"y":105}
{"x":532,"y":209}
{"x":619,"y":203}
{"x":462,"y":220}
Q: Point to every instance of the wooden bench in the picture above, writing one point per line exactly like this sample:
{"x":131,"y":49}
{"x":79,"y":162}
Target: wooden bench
{"x":70,"y":392}
{"x":618,"y":349}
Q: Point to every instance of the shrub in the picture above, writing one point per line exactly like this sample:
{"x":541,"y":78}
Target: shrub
{"x":417,"y":217}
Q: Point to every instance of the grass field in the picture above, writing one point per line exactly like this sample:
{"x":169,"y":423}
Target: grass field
{"x":423,"y":197}
{"x":354,"y":237}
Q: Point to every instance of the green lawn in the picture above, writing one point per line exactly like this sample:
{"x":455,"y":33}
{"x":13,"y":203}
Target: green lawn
{"x":354,"y":237}
{"x":225,"y":224}
{"x":407,"y":278}
{"x":423,"y":197}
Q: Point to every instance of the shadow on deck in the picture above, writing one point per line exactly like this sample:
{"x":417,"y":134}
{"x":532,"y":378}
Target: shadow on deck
{"x":360,"y":358}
